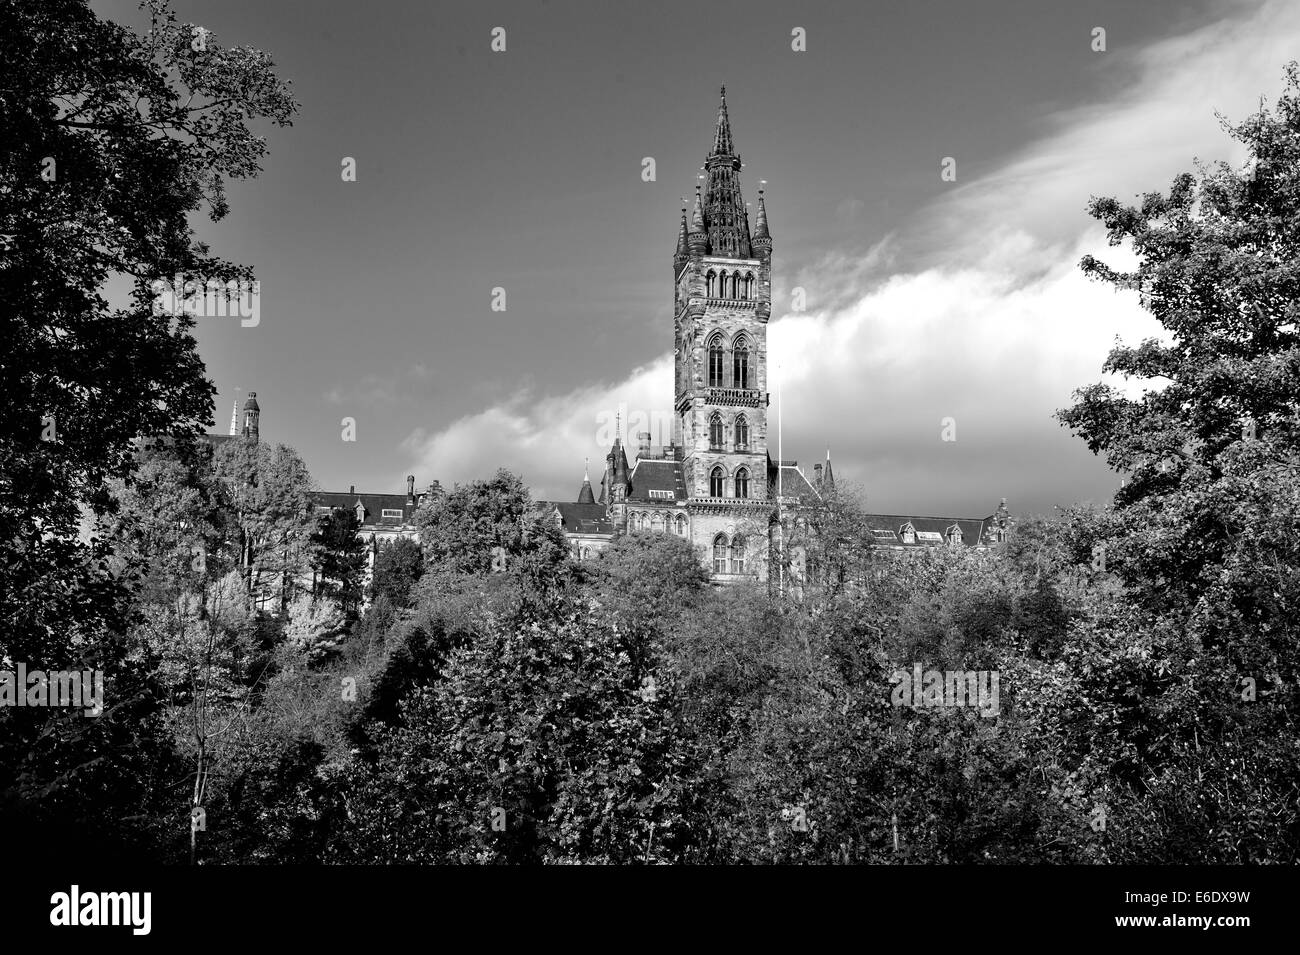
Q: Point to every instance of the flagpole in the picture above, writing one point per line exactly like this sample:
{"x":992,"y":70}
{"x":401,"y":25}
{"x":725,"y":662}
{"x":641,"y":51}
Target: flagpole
{"x":780,"y":474}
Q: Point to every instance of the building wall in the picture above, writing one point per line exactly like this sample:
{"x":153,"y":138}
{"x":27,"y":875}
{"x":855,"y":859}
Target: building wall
{"x":698,"y":318}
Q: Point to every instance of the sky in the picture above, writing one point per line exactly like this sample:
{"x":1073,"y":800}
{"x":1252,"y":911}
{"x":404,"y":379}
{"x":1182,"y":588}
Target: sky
{"x":926,"y":299}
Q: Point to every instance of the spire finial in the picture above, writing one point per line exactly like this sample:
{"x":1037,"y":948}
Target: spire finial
{"x":722,"y":145}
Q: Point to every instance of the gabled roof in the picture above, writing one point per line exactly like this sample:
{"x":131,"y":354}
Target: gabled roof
{"x":374,"y":504}
{"x":581,"y":518}
{"x":790,"y":481}
{"x":972,"y":529}
{"x":651,"y":475}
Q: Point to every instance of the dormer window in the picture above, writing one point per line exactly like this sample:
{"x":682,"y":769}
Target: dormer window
{"x":908,"y":533}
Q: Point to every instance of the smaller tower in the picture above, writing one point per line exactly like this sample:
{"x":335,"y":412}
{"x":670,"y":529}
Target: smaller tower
{"x":585,"y":494}
{"x":252,"y":411}
{"x":828,"y":476}
{"x":618,"y":485}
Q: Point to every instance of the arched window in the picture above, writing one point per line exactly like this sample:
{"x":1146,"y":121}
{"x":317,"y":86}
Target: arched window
{"x":742,"y":483}
{"x":716,"y":437}
{"x":749,"y":285}
{"x":720,"y":554}
{"x":586,"y":553}
{"x":712,"y":279}
{"x":681,"y":525}
{"x":715,"y":362}
{"x":716,"y":480}
{"x":740,"y":363}
{"x":735,"y":285}
{"x":722,"y":285}
{"x":738,"y":555}
{"x":657,"y":523}
{"x":742,"y":433}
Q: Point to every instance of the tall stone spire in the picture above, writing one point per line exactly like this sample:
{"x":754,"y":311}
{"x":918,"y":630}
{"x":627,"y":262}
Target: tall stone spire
{"x":724,"y":209}
{"x":828,"y":476}
{"x":722,"y":144}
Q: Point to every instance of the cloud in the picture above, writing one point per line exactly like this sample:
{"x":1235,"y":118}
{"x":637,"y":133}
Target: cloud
{"x":545,"y":438}
{"x":978,"y":312}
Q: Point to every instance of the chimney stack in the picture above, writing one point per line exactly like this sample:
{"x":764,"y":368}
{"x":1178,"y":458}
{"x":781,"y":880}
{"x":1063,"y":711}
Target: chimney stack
{"x":817,"y":475}
{"x":410,"y":489}
{"x":352,"y":489}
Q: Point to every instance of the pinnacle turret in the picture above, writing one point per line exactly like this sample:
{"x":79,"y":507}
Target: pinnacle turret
{"x":683,"y":244}
{"x":698,"y":238}
{"x":585,"y":494}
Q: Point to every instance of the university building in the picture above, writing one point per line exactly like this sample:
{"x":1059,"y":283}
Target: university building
{"x":716,"y":483}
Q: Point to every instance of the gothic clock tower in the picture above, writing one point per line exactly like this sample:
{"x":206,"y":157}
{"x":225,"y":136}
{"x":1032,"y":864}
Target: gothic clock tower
{"x":722,"y":304}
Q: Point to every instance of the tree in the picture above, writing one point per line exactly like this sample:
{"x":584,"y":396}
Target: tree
{"x":540,"y":744}
{"x":1172,"y":678}
{"x":485,"y":527}
{"x":651,"y":578}
{"x":340,"y":558}
{"x":111,"y":141}
{"x":398,"y":567}
{"x":266,"y":495}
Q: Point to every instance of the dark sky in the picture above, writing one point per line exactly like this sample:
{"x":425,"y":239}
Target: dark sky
{"x":926,"y":299}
